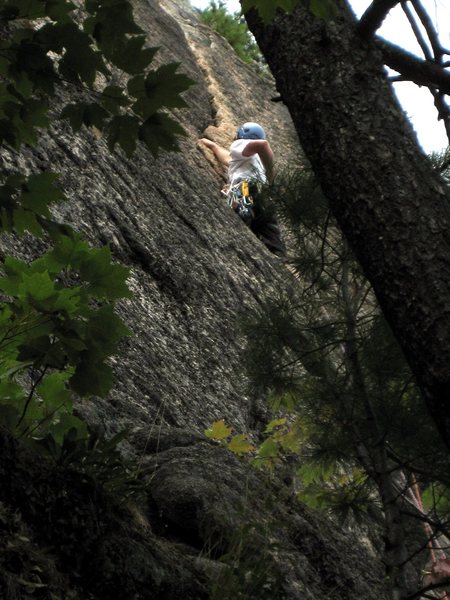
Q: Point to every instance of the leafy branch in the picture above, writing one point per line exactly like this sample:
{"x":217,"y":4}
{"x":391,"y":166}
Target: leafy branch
{"x":58,"y":325}
{"x":53,"y":49}
{"x":324,"y":355}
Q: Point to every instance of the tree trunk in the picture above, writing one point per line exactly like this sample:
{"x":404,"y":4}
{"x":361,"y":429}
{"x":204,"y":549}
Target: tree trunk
{"x":391,"y":205}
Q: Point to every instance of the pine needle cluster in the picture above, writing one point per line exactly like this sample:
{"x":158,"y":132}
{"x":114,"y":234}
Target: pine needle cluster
{"x":324,"y":353}
{"x":233,"y":28}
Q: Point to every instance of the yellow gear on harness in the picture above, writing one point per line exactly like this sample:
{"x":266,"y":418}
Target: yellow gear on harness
{"x":239,"y":198}
{"x":245,"y":189}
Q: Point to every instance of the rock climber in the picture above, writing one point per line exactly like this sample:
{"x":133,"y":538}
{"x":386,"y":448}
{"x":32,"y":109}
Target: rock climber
{"x":249,"y":162}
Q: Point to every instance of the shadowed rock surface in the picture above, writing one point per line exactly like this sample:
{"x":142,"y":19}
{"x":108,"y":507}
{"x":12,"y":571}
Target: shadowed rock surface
{"x":195,"y":269}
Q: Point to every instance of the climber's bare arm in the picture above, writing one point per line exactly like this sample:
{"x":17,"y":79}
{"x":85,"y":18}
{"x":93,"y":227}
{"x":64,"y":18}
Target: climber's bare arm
{"x":263,"y":149}
{"x":222,"y":155}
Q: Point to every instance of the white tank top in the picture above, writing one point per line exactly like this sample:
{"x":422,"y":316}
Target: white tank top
{"x":243,"y":167}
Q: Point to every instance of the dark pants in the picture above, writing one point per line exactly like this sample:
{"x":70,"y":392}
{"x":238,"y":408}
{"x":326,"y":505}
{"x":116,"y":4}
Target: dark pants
{"x":262,"y":221}
{"x":268,"y":231}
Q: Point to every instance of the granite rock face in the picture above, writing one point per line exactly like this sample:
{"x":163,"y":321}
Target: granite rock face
{"x":195,"y":269}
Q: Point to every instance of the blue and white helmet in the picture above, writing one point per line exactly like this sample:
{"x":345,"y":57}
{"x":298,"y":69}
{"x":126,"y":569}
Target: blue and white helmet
{"x":250,"y":131}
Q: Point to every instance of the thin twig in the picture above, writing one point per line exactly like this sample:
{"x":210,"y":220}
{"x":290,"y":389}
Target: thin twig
{"x":417,"y":33}
{"x":433,"y":586}
{"x":31,"y":394}
{"x":429,"y":28}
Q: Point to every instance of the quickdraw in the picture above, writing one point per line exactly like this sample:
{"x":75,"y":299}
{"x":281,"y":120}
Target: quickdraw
{"x":240,"y":199}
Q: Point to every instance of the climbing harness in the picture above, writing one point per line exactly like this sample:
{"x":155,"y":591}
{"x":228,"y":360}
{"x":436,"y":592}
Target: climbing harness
{"x":246,"y":198}
{"x":240,"y":199}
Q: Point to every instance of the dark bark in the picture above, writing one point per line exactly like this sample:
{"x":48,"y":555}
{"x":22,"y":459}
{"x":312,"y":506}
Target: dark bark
{"x":374,"y":16}
{"x":393,"y":208}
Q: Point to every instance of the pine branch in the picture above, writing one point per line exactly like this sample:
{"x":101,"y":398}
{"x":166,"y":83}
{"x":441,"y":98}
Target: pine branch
{"x":423,"y":518}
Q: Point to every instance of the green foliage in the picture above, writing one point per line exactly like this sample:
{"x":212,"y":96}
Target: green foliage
{"x":239,"y":444}
{"x":87,"y":50}
{"x":281,"y":438}
{"x":234,"y":29}
{"x":247,"y":552}
{"x":221,"y":433}
{"x":24,"y":202}
{"x":323,"y":353}
{"x":267,"y":9}
{"x":57,"y":331}
{"x":305,"y":345}
{"x":342,"y":491}
{"x":98,"y":458}
{"x":58,"y":325}
{"x":436,"y":497}
{"x":249,"y":571}
{"x":441,"y":162}
{"x":218,"y":431}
